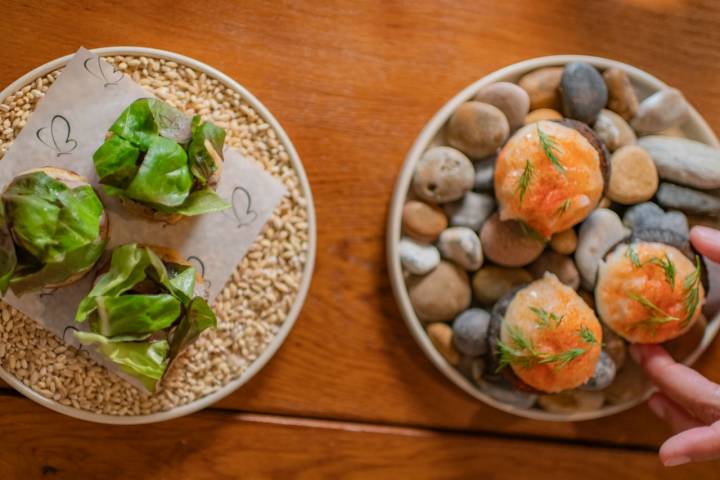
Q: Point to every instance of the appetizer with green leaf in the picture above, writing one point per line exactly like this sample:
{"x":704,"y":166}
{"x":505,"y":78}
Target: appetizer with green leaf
{"x":144,"y":311}
{"x":53,"y":229}
{"x":161,"y":164}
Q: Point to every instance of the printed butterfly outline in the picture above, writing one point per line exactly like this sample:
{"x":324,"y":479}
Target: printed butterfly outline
{"x":201,"y":264}
{"x":60,"y":131}
{"x":242,"y":207}
{"x":102,"y":72}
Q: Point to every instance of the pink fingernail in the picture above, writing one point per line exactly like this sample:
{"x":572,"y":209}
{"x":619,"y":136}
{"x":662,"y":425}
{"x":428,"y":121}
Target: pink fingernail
{"x":675,"y":461}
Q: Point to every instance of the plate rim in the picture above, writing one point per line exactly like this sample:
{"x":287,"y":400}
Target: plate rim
{"x":400,"y":189}
{"x":307,"y":274}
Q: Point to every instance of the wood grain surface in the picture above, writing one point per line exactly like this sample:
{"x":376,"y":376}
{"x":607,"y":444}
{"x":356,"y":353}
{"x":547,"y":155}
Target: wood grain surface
{"x":353,"y":83}
{"x":223,"y":445}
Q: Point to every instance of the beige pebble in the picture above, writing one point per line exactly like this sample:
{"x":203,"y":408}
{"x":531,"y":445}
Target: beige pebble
{"x":477,"y":129}
{"x":507,"y":244}
{"x":564,"y":242}
{"x":633,"y":177}
{"x":621,"y":94}
{"x":604,"y":202}
{"x":613,"y":130}
{"x":572,"y":401}
{"x":542,"y":86}
{"x":440,"y":295}
{"x":511,"y":99}
{"x":423,"y":222}
{"x":490,"y":283}
{"x":542,"y":114}
{"x":441,"y":337}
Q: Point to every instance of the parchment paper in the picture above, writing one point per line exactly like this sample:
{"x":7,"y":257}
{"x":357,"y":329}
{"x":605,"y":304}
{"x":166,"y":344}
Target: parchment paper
{"x":68,"y":125}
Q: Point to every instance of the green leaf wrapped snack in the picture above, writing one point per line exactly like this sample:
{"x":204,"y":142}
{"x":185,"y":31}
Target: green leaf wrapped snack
{"x":144,"y":311}
{"x":161,"y":164}
{"x":53,"y":229}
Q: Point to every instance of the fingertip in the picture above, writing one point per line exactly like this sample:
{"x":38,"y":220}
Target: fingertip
{"x":707,"y":241}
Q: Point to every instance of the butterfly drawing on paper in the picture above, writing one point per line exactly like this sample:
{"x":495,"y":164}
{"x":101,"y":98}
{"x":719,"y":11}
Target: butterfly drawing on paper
{"x":103,"y":71}
{"x":57,"y":136}
{"x":242,"y":207}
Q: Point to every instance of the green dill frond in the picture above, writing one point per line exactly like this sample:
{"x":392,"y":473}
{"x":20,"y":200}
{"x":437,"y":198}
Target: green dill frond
{"x":545,"y":318}
{"x":659,"y":317}
{"x":549,"y":146}
{"x":525,"y":179}
{"x":522,"y":352}
{"x":563,"y":207}
{"x":692,"y":291}
{"x":633,"y":256}
{"x":530,"y":232}
{"x":587,"y":335}
{"x":668,"y":267}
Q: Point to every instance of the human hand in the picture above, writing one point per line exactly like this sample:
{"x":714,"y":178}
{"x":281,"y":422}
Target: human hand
{"x":687,"y":401}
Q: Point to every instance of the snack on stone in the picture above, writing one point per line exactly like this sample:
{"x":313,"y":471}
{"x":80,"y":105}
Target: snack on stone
{"x":161,"y":164}
{"x":569,"y":215}
{"x":144,"y":311}
{"x":53,"y":229}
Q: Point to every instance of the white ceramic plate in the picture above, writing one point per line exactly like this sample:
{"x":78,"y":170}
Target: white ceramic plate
{"x":645,"y":84}
{"x":260,"y":362}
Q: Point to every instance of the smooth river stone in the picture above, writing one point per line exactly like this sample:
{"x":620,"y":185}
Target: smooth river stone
{"x":441,"y":337}
{"x":418,"y":258}
{"x":564,"y":242}
{"x":688,"y":200}
{"x":470,"y":211}
{"x":561,"y":265}
{"x":504,"y":392}
{"x":509,"y":98}
{"x":604,"y":373}
{"x":572,"y":401}
{"x":649,"y":216}
{"x":614,"y":130}
{"x":542,"y":114}
{"x":622,"y":98}
{"x":598,"y":233}
{"x":423,"y":222}
{"x":462,"y":246}
{"x":440,"y":295}
{"x":633,"y":176}
{"x":662,"y":110}
{"x":485,"y":175}
{"x":505,"y":243}
{"x":491,"y":282}
{"x":470,"y":331}
{"x":684,"y":161}
{"x":542,"y":87}
{"x":583,"y":92}
{"x":443,"y":174}
{"x":477,"y":129}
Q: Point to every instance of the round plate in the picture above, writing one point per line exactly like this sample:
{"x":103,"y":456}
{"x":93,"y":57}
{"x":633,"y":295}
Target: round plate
{"x":645,"y":84}
{"x":292,"y":315}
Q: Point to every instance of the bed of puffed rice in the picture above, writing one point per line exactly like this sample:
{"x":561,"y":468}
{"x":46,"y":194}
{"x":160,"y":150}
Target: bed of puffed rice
{"x":251,"y":308}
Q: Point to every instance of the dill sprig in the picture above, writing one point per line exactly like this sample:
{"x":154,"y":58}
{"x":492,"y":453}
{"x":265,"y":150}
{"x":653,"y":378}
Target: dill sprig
{"x":692,"y":291}
{"x":667,"y":266}
{"x":563,"y":207}
{"x":587,"y":335}
{"x":658,"y":317}
{"x":546,"y":319}
{"x":525,"y":178}
{"x":549,"y":146}
{"x":530,"y":232}
{"x":523,"y":352}
{"x":665,"y":263}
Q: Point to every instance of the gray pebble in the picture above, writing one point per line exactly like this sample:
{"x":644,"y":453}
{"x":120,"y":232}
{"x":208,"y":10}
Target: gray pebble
{"x":601,"y":231}
{"x":684,"y":161}
{"x":668,"y":237}
{"x":471,"y":211}
{"x":662,"y":110}
{"x":504,"y":392}
{"x":687,"y":200}
{"x":649,"y":216}
{"x":443,"y":174}
{"x":604,"y":373}
{"x":472,"y":367}
{"x":583,"y":92}
{"x":572,"y":401}
{"x":470,"y":331}
{"x":485,"y":175}
{"x":417,"y":258}
{"x":462,"y":246}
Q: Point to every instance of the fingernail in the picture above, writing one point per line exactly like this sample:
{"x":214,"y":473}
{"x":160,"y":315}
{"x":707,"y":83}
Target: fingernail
{"x":675,"y":461}
{"x":657,"y":407}
{"x":636,"y":354}
{"x":706,"y":234}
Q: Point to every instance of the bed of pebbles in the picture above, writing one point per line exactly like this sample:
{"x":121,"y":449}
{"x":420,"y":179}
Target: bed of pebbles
{"x":459,"y":259}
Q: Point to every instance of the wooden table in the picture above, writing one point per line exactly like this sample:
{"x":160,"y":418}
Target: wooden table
{"x":350,"y":395}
